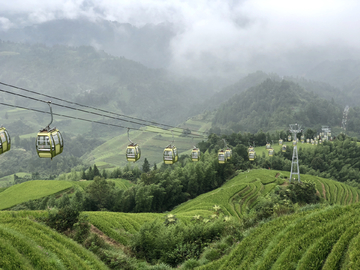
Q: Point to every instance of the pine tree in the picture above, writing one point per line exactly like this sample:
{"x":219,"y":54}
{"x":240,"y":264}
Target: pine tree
{"x":96,"y":171}
{"x":104,"y":174}
{"x":90,"y":174}
{"x":155,"y":167}
{"x":146,"y":166}
{"x":83,"y":176}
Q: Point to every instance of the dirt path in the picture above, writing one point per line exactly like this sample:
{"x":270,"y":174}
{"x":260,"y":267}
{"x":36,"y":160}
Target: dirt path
{"x":324,"y":191}
{"x":106,"y":238}
{"x":357,"y":197}
{"x":277,"y":175}
{"x":346,"y":197}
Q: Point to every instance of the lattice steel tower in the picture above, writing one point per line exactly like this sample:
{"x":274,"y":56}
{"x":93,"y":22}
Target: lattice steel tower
{"x":295,"y":169}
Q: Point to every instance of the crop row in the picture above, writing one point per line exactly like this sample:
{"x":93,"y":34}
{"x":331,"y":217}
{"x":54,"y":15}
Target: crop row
{"x":26,"y":244}
{"x":120,"y":226}
{"x":306,"y":240}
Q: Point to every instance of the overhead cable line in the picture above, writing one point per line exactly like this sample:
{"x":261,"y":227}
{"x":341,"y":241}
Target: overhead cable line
{"x":94,"y":108}
{"x":82,"y":119}
{"x":94,"y":113}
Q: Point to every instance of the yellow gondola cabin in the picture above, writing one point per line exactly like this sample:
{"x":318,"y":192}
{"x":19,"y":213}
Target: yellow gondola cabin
{"x":133,"y":152}
{"x":49,"y":143}
{"x":170,"y":155}
{"x":5,"y":141}
{"x":195,"y":154}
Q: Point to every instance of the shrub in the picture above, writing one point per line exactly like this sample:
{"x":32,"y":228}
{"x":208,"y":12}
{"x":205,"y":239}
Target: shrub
{"x":62,"y":219}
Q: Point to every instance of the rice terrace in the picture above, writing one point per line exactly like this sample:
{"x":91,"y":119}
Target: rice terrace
{"x":158,"y":135}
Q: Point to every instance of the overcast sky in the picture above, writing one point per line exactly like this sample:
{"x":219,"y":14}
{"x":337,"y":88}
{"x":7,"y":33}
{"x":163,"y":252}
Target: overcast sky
{"x":226,"y":31}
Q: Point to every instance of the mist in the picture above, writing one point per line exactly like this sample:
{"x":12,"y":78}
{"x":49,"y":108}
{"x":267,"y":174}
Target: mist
{"x":220,"y":38}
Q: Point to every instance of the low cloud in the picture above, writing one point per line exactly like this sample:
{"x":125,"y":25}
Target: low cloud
{"x":217,"y":36}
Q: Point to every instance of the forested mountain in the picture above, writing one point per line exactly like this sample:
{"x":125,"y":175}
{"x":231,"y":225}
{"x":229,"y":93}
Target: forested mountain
{"x":148,"y":44}
{"x":273,"y":105}
{"x":95,"y":78}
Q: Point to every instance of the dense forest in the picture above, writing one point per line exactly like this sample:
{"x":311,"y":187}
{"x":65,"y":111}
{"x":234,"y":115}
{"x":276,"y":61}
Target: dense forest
{"x":272,"y":105}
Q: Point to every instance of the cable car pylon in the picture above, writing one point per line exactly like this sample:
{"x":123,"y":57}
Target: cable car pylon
{"x":295,"y":170}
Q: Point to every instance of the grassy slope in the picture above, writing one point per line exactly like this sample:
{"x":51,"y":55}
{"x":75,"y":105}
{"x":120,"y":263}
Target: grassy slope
{"x":31,"y":190}
{"x":36,"y":189}
{"x":112,"y":153}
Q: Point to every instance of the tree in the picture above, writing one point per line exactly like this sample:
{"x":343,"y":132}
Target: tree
{"x":83,"y":176}
{"x":100,"y":192}
{"x":146,"y":166}
{"x":96,"y":171}
{"x":155,"y":167}
{"x":104,"y":174}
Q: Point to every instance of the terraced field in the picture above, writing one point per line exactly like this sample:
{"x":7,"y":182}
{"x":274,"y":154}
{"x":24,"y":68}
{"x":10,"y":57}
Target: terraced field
{"x":235,"y":198}
{"x":319,"y":239}
{"x":242,"y":192}
{"x":26,"y":244}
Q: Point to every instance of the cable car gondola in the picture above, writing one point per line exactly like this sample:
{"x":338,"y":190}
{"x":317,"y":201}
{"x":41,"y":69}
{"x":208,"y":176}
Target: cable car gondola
{"x":294,"y":142}
{"x":195,"y":154}
{"x":307,"y":141}
{"x":280,"y":142}
{"x":49,"y":142}
{"x":252,"y":155}
{"x":289,"y":138}
{"x":268,"y":146}
{"x":222,"y":156}
{"x":302,"y":139}
{"x":133,"y":152}
{"x":5,"y":141}
{"x":283,"y":148}
{"x":170,"y":155}
{"x":228,"y":153}
{"x":271,"y":152}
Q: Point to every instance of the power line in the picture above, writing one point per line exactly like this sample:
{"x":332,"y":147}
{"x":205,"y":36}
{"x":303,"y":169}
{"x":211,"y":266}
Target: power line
{"x":82,"y":119}
{"x":94,"y":108}
{"x":94,"y":113}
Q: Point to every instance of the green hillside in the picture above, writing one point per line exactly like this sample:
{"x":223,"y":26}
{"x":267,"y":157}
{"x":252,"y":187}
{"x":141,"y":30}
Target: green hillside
{"x":241,"y":192}
{"x":266,"y":245}
{"x":26,"y":244}
{"x":236,"y":197}
{"x":319,"y":239}
{"x":31,"y":190}
{"x":36,"y":189}
{"x":112,"y":153}
{"x":272,"y":105}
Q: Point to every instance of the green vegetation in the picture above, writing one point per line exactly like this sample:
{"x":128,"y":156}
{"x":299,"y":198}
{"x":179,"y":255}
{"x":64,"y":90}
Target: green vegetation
{"x":318,"y":238}
{"x":31,"y":190}
{"x":26,"y":244}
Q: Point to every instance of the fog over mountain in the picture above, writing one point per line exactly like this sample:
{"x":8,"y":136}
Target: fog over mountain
{"x":227,"y":38}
